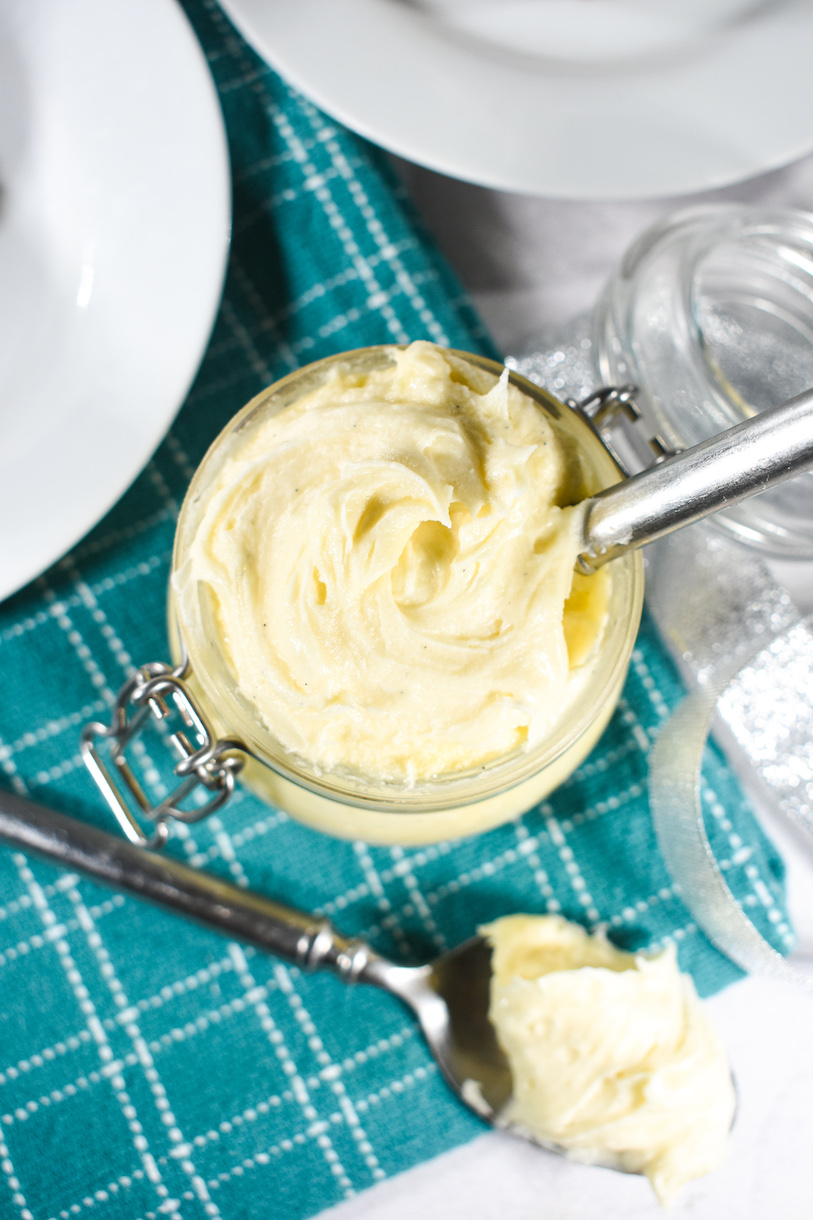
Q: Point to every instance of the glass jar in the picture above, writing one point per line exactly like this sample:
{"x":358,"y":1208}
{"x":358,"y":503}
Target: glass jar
{"x":456,"y":803}
{"x":710,"y":315}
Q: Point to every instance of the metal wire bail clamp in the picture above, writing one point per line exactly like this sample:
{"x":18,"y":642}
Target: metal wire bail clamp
{"x":153,"y":693}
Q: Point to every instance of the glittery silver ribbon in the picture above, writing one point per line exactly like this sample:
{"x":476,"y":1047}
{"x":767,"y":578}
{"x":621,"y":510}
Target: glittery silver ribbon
{"x":746,"y":656}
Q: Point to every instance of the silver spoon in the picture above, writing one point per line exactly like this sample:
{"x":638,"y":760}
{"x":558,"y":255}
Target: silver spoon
{"x":743,"y":461}
{"x":449,"y":996}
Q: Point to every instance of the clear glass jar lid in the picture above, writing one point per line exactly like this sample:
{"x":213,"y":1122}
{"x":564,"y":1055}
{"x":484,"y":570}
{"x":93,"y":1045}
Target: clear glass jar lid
{"x":711,"y":315}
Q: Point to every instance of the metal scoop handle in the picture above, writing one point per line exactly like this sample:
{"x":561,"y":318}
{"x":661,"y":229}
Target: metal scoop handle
{"x":740,"y":462}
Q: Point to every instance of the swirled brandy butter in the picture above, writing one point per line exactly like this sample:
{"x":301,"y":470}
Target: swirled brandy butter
{"x":383,"y":563}
{"x":390,"y":564}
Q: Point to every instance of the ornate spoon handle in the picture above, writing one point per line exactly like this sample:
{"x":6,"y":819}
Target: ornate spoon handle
{"x":304,"y":939}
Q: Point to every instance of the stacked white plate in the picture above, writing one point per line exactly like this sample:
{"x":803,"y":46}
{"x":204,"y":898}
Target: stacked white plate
{"x":114,"y":231}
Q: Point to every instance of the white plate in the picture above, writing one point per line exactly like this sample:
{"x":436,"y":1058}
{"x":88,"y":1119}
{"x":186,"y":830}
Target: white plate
{"x":114,"y":230}
{"x":582,"y":99}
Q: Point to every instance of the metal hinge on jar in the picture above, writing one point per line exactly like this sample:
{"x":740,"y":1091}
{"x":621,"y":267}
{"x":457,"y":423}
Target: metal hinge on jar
{"x":605,"y":408}
{"x":157,"y":694}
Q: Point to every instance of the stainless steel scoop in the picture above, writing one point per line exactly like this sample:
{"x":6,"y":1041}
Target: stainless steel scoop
{"x":740,"y":462}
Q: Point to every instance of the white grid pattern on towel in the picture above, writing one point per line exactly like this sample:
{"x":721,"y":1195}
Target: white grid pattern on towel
{"x":323,"y":1095}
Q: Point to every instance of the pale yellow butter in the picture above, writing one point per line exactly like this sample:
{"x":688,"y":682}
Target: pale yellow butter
{"x":389,"y":562}
{"x":612,"y":1055}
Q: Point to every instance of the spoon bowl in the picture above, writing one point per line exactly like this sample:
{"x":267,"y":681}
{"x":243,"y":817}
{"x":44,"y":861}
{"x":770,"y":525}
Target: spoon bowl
{"x":450,"y":998}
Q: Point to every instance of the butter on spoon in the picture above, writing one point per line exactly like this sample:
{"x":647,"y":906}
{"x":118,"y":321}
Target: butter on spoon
{"x":612,"y":1054}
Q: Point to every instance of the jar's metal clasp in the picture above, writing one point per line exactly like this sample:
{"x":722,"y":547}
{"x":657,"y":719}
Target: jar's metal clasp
{"x":154,"y":693}
{"x":603,"y":409}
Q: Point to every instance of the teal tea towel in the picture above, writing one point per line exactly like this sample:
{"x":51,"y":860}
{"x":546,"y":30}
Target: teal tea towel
{"x":149,"y":1068}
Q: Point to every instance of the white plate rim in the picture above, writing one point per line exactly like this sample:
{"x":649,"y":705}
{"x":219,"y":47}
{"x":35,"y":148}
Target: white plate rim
{"x":112,"y":446}
{"x":600,"y":136}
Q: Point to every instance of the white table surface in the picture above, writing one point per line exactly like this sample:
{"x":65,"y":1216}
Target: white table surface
{"x":531,"y":265}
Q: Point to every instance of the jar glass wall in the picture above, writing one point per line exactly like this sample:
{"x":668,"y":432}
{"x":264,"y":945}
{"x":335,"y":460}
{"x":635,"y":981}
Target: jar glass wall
{"x":352,"y":804}
{"x":710,"y":314}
